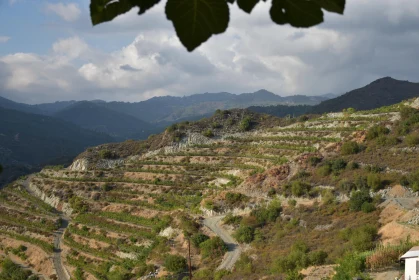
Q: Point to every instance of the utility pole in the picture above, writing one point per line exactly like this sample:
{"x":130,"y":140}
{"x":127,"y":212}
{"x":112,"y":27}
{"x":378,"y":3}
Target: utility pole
{"x":190,"y":262}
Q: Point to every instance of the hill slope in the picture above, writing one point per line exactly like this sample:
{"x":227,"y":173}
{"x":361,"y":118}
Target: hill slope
{"x":95,"y":117}
{"x":9,"y":104}
{"x":35,"y":139}
{"x":292,"y":193}
{"x":382,"y":92}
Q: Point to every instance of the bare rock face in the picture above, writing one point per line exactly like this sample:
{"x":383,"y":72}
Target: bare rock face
{"x":52,"y":200}
{"x":415,"y":104}
{"x":79,"y":165}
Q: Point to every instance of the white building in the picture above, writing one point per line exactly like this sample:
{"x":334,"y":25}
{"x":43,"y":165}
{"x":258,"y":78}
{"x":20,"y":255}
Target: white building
{"x":411,"y":267}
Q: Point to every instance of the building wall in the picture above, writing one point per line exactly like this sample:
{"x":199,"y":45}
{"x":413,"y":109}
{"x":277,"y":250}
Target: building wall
{"x":410,"y":269}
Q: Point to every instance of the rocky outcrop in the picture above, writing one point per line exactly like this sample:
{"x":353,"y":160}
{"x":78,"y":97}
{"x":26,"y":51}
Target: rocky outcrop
{"x":52,"y":200}
{"x":84,"y":164}
{"x":190,"y":140}
{"x":415,"y":104}
{"x":79,"y":165}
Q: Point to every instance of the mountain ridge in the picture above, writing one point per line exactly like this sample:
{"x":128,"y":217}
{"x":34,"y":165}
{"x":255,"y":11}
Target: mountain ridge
{"x":382,"y":92}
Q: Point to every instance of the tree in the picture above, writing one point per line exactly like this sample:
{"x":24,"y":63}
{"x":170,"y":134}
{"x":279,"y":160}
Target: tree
{"x":198,"y":238}
{"x":245,"y":234}
{"x":213,"y":248}
{"x":358,"y":198}
{"x":195,"y":21}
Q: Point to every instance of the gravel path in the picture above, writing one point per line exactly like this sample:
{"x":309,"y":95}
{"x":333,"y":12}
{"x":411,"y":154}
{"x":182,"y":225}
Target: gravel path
{"x":234,"y":249}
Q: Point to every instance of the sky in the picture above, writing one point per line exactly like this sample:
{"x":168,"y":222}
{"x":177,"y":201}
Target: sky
{"x":50,"y":51}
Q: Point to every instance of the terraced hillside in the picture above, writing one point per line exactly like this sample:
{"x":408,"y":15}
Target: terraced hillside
{"x":254,"y":195}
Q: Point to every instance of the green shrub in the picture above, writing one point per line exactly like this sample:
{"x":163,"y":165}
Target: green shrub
{"x":106,"y":154}
{"x":233,"y":199}
{"x":175,"y":263}
{"x":213,"y":248}
{"x":377,"y":131}
{"x":230,"y":219}
{"x":208,"y":133}
{"x":338,"y":165}
{"x":412,"y":140}
{"x":220,"y":274}
{"x":78,"y":205}
{"x":324,"y":170}
{"x":374,"y":181}
{"x":292,"y":202}
{"x":294,"y":275}
{"x":216,"y":125}
{"x":267,"y":214}
{"x":12,"y":271}
{"x":387,"y":140}
{"x":363,"y":238}
{"x":198,"y":238}
{"x":244,"y":264}
{"x":350,"y":148}
{"x":297,"y":259}
{"x":172,"y":128}
{"x":107,"y":187}
{"x":358,"y":198}
{"x":314,"y":160}
{"x":245,"y":234}
{"x":246,"y":124}
{"x":299,"y":188}
{"x":352,"y":165}
{"x":351,"y":265}
{"x":317,"y":257}
{"x":367,"y":207}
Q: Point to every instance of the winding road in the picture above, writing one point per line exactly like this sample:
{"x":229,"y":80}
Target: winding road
{"x":56,"y":258}
{"x":234,"y":249}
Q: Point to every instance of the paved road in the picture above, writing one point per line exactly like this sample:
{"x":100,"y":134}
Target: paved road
{"x":56,"y":258}
{"x":234,"y":249}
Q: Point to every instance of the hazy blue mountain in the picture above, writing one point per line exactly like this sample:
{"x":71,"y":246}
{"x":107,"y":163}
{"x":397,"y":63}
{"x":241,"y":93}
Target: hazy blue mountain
{"x":52,"y":108}
{"x":35,"y":139}
{"x":9,"y":104}
{"x":94,"y":116}
{"x":168,"y":109}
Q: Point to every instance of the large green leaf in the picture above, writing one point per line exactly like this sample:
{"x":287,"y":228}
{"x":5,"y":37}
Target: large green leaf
{"x":196,"y":21}
{"x":298,"y":13}
{"x":247,"y":5}
{"x":334,"y":6}
{"x":107,"y":10}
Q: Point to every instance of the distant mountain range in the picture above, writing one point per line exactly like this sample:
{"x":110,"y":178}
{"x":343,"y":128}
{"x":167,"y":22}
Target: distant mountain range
{"x":98,"y":118}
{"x":125,"y":120}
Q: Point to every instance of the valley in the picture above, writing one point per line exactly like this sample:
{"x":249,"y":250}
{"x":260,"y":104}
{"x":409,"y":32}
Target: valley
{"x":255,"y":196}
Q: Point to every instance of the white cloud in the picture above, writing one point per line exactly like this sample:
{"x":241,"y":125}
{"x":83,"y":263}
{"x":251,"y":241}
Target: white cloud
{"x":4,"y":39}
{"x":68,"y":12}
{"x":344,"y":53}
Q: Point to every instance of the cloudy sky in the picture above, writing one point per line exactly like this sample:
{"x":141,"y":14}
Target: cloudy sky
{"x":49,"y":51}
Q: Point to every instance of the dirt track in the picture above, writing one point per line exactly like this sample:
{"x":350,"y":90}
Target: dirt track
{"x":56,"y":258}
{"x":234,"y":249}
